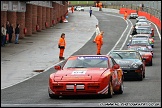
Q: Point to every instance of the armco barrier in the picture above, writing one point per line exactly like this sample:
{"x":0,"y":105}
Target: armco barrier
{"x":150,"y":17}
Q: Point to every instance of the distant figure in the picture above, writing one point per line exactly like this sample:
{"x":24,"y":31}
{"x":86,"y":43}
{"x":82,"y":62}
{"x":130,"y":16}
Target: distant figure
{"x":10,"y":33}
{"x":61,"y":45}
{"x":3,"y":35}
{"x":142,"y":6}
{"x":99,"y":42}
{"x":72,"y":9}
{"x":134,"y":32}
{"x":125,"y":15}
{"x":7,"y":32}
{"x":17,"y":32}
{"x":90,"y":12}
{"x":97,"y":32}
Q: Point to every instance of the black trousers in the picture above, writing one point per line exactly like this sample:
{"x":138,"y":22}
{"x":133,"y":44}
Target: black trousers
{"x":10,"y":37}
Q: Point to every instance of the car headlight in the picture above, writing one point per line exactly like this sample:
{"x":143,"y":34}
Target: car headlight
{"x":135,"y":65}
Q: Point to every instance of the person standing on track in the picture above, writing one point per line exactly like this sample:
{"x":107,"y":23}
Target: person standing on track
{"x":72,"y":9}
{"x":61,"y":45}
{"x":90,"y":11}
{"x":99,"y":42}
{"x":97,"y":32}
{"x":125,"y":15}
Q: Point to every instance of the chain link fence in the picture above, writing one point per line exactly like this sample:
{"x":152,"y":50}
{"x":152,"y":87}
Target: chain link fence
{"x":152,"y":7}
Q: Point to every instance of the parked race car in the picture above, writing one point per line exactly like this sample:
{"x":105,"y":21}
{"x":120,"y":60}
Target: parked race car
{"x":140,"y":17}
{"x":133,"y":16}
{"x":146,"y":36}
{"x":131,"y":62}
{"x":146,"y":26}
{"x":86,"y":75}
{"x":79,"y":8}
{"x":139,"y":41}
{"x":145,"y":52}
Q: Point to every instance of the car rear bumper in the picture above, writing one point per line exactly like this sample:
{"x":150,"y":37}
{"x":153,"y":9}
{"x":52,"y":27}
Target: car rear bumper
{"x":79,"y":89}
{"x":131,"y":74}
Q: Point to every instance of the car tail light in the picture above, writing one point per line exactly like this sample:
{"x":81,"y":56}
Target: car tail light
{"x":93,"y":85}
{"x":57,"y":86}
{"x":139,"y":70}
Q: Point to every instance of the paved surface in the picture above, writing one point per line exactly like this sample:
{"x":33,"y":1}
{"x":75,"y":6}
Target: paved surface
{"x":40,"y":51}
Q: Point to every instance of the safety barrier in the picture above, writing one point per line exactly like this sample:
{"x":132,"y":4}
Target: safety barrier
{"x":150,"y":17}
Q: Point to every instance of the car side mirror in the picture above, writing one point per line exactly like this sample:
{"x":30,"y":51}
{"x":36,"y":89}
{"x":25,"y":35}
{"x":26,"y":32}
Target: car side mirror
{"x":58,"y":67}
{"x":116,"y":66}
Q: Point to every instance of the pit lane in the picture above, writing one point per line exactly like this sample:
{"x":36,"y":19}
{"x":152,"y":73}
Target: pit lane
{"x":33,"y":92}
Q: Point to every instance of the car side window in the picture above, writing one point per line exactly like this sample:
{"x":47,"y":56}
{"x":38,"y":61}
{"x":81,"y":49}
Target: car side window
{"x":112,"y":62}
{"x":139,"y":56}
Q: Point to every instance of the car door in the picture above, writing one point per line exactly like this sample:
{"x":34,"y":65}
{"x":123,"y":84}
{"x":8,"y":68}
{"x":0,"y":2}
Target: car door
{"x":114,"y":73}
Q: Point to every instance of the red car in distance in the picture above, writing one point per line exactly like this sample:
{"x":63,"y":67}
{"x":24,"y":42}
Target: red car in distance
{"x":86,"y":75}
{"x":145,"y":53}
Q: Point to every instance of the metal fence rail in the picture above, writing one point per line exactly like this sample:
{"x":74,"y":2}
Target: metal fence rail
{"x":152,"y":7}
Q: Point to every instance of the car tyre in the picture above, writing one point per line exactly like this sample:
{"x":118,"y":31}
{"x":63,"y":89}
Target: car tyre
{"x":121,"y":89}
{"x":52,"y":96}
{"x":110,"y":90}
{"x":150,"y":64}
{"x":141,"y":77}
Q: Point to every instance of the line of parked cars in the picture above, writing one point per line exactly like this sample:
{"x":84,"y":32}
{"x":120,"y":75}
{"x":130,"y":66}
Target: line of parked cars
{"x":104,"y":74}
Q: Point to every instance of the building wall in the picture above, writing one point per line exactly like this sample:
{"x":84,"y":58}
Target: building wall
{"x":34,"y":18}
{"x":28,"y":19}
{"x":32,"y":13}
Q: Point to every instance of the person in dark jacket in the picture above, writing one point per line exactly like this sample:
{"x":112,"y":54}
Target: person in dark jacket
{"x":90,"y":12}
{"x":134,"y":32}
{"x":10,"y":33}
{"x":17,"y":32}
{"x":7,"y":32}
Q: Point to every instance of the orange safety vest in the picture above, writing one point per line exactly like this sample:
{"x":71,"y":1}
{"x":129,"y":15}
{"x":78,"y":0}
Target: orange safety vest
{"x":99,"y":39}
{"x":62,"y":42}
{"x":125,"y":14}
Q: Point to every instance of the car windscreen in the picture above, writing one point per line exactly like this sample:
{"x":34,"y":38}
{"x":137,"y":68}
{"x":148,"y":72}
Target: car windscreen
{"x":87,"y":62}
{"x":143,"y":49}
{"x":124,"y":55}
{"x":140,"y":42}
{"x":143,"y":31}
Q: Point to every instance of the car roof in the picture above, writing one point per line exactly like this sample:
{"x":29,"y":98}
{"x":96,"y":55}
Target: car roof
{"x":89,"y":55}
{"x":143,"y":25}
{"x":141,"y":17}
{"x":136,"y":38}
{"x":123,"y":51}
{"x":133,"y":13}
{"x":136,"y":45}
{"x":142,"y":28}
{"x":141,"y":35}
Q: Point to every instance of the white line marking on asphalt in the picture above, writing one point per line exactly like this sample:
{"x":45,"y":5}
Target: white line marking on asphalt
{"x":122,"y":33}
{"x":127,"y":36}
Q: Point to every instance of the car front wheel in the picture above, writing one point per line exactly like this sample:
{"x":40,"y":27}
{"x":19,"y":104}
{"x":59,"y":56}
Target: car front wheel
{"x":110,"y":90}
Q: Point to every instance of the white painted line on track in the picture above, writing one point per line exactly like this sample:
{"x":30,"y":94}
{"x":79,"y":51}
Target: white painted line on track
{"x":122,"y":33}
{"x":127,"y":36}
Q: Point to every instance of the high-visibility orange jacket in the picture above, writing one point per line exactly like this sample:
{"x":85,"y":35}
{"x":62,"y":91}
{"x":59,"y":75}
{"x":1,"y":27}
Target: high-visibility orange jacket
{"x":99,"y":39}
{"x":62,"y":42}
{"x":125,"y":14}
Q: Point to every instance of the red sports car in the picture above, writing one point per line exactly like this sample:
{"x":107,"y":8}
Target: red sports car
{"x":145,"y":53}
{"x":86,"y":75}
